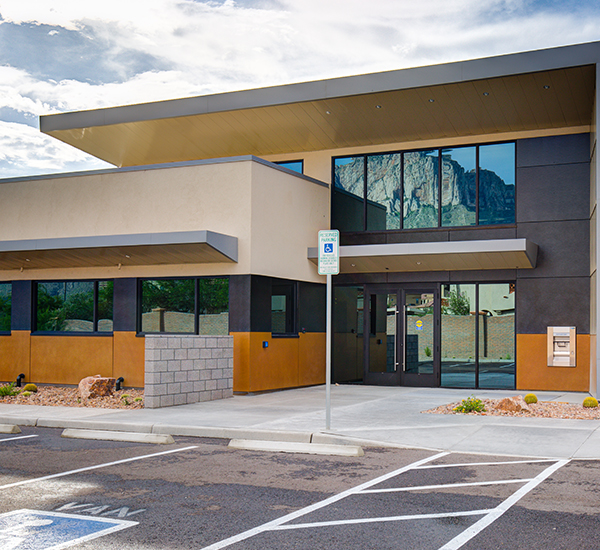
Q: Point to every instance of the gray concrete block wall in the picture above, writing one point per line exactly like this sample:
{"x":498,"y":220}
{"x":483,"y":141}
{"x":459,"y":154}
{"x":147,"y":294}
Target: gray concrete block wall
{"x":187,"y":369}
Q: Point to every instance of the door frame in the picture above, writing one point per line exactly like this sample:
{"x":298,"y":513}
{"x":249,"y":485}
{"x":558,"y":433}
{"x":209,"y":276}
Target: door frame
{"x":400,"y":376}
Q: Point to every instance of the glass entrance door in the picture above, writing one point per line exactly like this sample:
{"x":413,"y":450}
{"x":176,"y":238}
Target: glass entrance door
{"x":402,"y":325}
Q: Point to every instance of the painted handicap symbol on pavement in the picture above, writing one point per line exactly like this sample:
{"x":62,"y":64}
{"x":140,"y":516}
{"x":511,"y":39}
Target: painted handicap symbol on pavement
{"x":35,"y":530}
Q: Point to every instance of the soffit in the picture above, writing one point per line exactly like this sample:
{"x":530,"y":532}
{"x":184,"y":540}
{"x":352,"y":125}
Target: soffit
{"x":190,"y":247}
{"x":550,"y":99}
{"x":436,"y":256}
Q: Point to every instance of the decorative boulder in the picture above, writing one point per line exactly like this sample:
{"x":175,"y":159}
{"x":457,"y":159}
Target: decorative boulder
{"x":513,"y":404}
{"x":96,"y":386}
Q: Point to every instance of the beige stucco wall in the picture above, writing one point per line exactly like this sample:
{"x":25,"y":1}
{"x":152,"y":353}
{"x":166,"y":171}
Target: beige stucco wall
{"x":244,"y":199}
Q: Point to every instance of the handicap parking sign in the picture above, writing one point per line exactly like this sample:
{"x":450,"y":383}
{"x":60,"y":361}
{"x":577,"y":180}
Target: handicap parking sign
{"x":35,"y":530}
{"x":328,"y":248}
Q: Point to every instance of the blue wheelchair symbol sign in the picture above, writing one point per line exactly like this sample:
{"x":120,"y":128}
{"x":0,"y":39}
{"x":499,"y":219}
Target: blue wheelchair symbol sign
{"x":328,"y":248}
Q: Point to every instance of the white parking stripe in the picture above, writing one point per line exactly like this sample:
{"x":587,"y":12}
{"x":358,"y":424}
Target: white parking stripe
{"x":445,"y":486}
{"x":380,"y":519}
{"x":459,"y":464}
{"x":460,"y":540}
{"x":302,"y":512}
{"x":88,"y":468}
{"x":19,"y":437}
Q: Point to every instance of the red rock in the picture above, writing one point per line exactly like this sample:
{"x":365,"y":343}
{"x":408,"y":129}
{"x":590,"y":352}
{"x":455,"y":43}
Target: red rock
{"x":513,"y":404}
{"x":96,"y":386}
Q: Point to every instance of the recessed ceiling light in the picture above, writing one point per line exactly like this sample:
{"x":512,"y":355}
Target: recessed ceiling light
{"x":431,"y":100}
{"x":353,"y":265}
{"x":418,"y":263}
{"x":27,"y":260}
{"x":127,"y":256}
{"x":327,"y":112}
{"x":546,"y":87}
{"x":486,"y":94}
{"x":377,"y":106}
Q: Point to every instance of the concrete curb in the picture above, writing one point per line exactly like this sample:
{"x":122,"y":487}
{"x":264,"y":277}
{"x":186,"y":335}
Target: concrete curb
{"x":295,"y":447}
{"x":9,"y":429}
{"x":233,"y":433}
{"x":106,"y":435}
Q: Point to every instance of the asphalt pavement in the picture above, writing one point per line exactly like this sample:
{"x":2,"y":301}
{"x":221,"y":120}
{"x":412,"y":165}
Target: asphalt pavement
{"x":360,"y":415}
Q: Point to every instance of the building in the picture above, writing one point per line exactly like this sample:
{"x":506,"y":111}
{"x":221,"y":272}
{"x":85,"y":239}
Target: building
{"x":465,"y":194}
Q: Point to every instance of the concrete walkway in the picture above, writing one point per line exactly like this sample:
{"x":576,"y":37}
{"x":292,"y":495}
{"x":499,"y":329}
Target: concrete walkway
{"x":367,"y":415}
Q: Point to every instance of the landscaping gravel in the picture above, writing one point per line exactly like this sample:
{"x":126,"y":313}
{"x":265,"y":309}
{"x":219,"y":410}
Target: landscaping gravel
{"x":541,"y":409}
{"x":67,"y":396}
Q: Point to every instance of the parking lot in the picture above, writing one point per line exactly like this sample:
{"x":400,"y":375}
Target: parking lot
{"x":197,"y":493}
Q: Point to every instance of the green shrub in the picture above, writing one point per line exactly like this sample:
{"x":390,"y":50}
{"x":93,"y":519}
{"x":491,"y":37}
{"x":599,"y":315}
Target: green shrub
{"x":427,"y":351}
{"x":30,"y":388}
{"x":530,"y":398}
{"x":8,"y":389}
{"x":25,"y":393}
{"x":470,"y":404}
{"x":138,"y":399}
{"x":590,"y":402}
{"x":125,"y":398}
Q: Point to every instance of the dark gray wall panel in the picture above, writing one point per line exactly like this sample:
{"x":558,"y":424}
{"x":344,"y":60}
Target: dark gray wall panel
{"x":239,"y":303}
{"x":483,"y":234}
{"x":125,"y":305}
{"x":424,"y":277}
{"x":489,"y":275}
{"x":359,"y":278}
{"x":21,"y":305}
{"x":553,"y":150}
{"x":418,"y":237}
{"x":553,"y":192}
{"x":553,"y":302}
{"x":564,"y":248}
{"x":362,"y":238}
{"x":260,"y":304}
{"x":311,"y":307}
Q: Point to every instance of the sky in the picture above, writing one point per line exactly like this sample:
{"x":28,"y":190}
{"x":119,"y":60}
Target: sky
{"x":70,"y":55}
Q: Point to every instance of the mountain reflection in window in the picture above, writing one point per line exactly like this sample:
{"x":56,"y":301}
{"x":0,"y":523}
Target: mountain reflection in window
{"x":497,"y":184}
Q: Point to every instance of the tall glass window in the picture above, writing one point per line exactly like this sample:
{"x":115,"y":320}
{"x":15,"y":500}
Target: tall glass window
{"x":77,"y":306}
{"x":185,"y":306}
{"x":458,"y":362}
{"x":283,"y":311}
{"x":5,"y":306}
{"x":421,"y":189}
{"x":497,"y":184}
{"x":349,"y":194}
{"x":459,"y":186}
{"x":384,"y":192}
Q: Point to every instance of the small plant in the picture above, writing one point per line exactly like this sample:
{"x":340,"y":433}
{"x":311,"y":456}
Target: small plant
{"x":530,"y":398}
{"x":125,"y":398}
{"x":30,"y":388}
{"x":427,"y":351}
{"x":8,"y":390}
{"x":138,"y":399}
{"x":590,"y":402}
{"x":25,"y":393}
{"x":470,"y":404}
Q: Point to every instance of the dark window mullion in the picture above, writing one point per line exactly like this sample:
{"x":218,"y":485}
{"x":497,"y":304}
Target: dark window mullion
{"x":365,"y":161}
{"x":477,"y":336}
{"x":439,"y":183}
{"x":196,"y":305}
{"x":477,"y":185}
{"x":95,"y":307}
{"x":402,"y":190}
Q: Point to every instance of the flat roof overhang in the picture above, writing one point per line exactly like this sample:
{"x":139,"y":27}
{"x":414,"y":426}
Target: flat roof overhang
{"x":532,"y":91}
{"x":188,"y":247}
{"x":436,"y":256}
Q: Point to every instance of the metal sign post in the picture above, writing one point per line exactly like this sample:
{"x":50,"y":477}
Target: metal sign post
{"x":329,"y":264}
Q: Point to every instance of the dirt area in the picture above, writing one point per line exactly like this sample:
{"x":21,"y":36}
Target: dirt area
{"x":541,"y":409}
{"x":67,"y":396}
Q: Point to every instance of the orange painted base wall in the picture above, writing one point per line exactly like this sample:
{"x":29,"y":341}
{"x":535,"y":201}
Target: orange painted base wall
{"x":534,"y":374}
{"x":285,"y":363}
{"x":68,"y":359}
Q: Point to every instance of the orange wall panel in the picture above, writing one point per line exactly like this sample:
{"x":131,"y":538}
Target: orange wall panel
{"x":311,"y":369}
{"x":14,"y":355}
{"x":533,"y":373}
{"x":129,"y":358}
{"x":68,"y":359}
{"x":241,"y":361}
{"x":273,"y":367}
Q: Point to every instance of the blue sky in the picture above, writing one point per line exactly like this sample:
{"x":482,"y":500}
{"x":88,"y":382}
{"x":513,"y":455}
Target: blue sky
{"x":71,"y":55}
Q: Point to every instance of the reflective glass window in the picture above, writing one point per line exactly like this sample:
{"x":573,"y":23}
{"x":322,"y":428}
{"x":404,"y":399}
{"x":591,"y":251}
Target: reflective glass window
{"x":168,"y":305}
{"x":497,"y":336}
{"x":458,"y":361}
{"x":78,"y":306}
{"x":348,"y":344}
{"x":497,"y":184}
{"x":384,"y":192}
{"x":459,"y":185}
{"x":5,"y":306}
{"x":420,"y":206}
{"x":213,"y":306}
{"x":295,"y":165}
{"x":283,"y":313}
{"x":348,"y":194}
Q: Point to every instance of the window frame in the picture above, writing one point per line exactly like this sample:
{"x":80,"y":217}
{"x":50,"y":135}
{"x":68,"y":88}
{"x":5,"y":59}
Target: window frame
{"x":291,"y":311}
{"x":94,"y":332}
{"x":9,"y":331}
{"x":283,"y":163}
{"x":439,"y":150}
{"x":196,"y":332}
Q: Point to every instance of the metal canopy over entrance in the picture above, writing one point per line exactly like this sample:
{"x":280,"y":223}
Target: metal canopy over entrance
{"x":437,"y":256}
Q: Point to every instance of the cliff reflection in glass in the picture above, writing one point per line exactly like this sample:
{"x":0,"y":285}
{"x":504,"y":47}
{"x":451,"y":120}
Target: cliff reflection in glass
{"x":348,"y":212}
{"x":497,"y":184}
{"x":459,"y":195}
{"x":421,"y":189}
{"x":384,"y":192}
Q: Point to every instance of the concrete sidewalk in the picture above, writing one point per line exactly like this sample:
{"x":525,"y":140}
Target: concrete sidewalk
{"x":367,"y":415}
